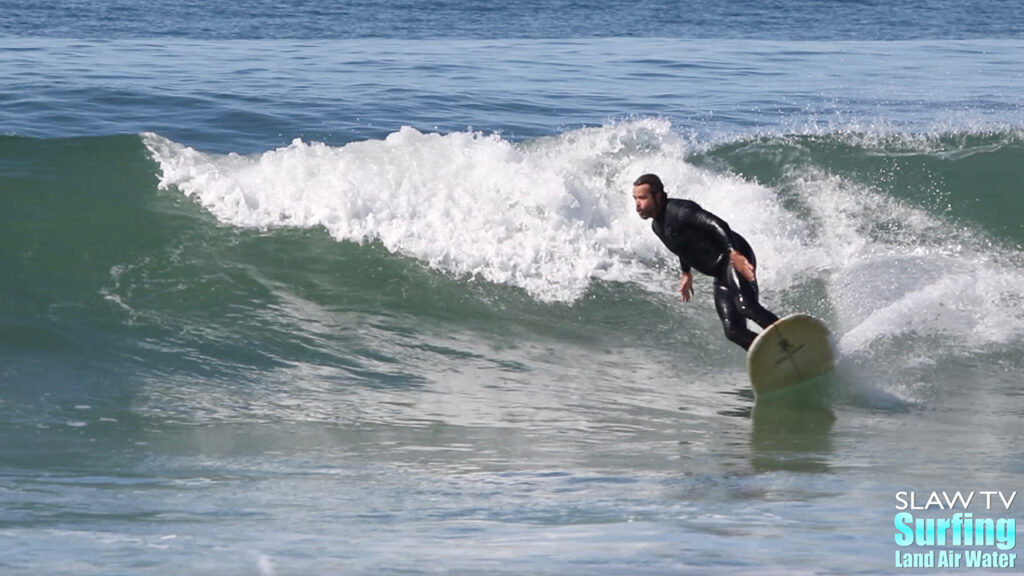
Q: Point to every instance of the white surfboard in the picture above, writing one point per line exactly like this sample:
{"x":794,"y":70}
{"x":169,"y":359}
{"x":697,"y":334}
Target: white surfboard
{"x":793,"y":350}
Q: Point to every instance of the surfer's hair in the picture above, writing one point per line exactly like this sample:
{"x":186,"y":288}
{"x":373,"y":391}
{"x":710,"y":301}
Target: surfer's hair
{"x":652,"y":180}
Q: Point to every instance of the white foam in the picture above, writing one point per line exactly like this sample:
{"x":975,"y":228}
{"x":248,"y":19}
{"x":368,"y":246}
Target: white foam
{"x":265,"y":564}
{"x":894,"y":270}
{"x":547,"y":216}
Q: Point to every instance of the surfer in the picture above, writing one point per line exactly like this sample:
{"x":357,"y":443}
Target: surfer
{"x":704,"y":241}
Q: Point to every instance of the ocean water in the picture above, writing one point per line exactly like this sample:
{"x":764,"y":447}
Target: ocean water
{"x":358,"y":288}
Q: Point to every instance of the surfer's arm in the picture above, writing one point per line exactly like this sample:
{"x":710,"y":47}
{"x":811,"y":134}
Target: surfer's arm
{"x":686,"y":285}
{"x":685,"y":280}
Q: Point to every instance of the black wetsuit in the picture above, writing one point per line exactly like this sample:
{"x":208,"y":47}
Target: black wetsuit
{"x":703,"y":241}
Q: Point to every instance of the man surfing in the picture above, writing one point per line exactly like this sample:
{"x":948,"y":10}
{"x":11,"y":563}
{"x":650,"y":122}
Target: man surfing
{"x":704,"y":241}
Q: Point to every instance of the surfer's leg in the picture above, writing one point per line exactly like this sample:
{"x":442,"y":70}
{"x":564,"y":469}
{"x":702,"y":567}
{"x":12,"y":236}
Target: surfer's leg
{"x":734,"y":323}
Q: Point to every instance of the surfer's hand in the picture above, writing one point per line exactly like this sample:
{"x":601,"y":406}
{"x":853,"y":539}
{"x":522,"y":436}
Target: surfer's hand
{"x":742,"y":265}
{"x":686,"y":286}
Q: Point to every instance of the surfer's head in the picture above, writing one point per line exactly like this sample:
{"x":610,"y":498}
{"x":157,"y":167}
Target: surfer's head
{"x":649,"y":195}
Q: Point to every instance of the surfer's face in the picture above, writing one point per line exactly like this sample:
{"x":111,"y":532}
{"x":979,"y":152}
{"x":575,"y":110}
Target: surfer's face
{"x":646,"y":202}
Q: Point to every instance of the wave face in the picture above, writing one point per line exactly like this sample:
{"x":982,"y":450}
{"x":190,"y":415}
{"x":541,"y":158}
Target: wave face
{"x":903,"y":240}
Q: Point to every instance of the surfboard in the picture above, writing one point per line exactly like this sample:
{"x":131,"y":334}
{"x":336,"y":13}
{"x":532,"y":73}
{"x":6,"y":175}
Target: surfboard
{"x":795,"y":349}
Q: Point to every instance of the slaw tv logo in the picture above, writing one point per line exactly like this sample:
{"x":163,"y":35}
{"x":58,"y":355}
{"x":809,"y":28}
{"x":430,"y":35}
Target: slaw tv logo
{"x":972,"y":529}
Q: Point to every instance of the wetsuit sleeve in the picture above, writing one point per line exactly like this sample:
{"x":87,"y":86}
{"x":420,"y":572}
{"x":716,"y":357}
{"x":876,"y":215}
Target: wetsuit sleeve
{"x":684,"y":265}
